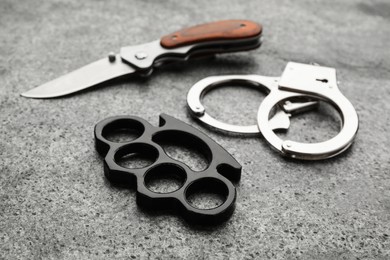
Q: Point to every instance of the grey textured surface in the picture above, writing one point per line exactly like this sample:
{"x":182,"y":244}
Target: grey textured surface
{"x":55,"y":202}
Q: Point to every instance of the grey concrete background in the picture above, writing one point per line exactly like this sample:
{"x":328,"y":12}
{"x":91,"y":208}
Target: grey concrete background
{"x":55,"y":202}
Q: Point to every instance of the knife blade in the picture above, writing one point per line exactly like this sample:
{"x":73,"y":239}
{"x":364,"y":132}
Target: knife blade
{"x":206,"y":39}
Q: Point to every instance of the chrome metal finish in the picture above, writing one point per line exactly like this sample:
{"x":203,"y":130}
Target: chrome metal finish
{"x":279,"y":121}
{"x":145,"y":55}
{"x":308,"y":81}
{"x":83,"y":78}
{"x":298,"y":90}
{"x":299,"y":107}
{"x":141,"y":55}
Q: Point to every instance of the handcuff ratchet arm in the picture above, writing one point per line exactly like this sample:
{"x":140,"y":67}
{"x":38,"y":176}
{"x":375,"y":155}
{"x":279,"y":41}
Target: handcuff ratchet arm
{"x":302,"y":80}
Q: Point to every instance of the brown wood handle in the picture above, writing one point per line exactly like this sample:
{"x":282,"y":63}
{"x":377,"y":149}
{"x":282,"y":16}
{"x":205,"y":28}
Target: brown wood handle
{"x":221,"y":30}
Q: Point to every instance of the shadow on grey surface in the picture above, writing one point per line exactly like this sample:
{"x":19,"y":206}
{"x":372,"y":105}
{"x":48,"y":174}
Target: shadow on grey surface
{"x":209,"y":228}
{"x":375,"y":9}
{"x":164,"y":213}
{"x":236,"y":61}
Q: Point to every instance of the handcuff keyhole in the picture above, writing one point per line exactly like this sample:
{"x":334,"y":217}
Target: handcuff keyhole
{"x":322,"y":80}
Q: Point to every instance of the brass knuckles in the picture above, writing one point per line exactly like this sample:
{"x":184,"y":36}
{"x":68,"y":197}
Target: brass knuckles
{"x":222,"y":171}
{"x":299,"y":81}
{"x":302,"y":80}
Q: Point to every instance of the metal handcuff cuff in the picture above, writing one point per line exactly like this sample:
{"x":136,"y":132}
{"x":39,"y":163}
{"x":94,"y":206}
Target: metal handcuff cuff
{"x":298,"y":89}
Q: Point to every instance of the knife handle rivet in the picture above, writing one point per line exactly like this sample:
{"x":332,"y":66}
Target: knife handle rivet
{"x":141,"y":55}
{"x":111,"y":57}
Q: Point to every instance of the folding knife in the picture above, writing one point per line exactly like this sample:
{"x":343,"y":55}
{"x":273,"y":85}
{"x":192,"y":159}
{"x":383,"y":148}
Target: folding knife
{"x":205,"y":39}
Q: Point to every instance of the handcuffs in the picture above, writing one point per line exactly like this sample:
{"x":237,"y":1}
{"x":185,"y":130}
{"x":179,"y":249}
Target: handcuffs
{"x":298,"y":89}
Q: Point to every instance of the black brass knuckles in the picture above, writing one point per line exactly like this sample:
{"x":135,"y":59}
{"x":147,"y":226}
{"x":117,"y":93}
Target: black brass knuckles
{"x":222,"y":169}
{"x":298,"y":89}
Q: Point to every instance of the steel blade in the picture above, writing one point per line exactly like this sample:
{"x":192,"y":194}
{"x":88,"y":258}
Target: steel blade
{"x":83,"y":78}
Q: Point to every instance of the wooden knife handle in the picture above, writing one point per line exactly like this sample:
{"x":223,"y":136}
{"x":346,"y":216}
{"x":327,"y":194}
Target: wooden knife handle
{"x":221,"y":30}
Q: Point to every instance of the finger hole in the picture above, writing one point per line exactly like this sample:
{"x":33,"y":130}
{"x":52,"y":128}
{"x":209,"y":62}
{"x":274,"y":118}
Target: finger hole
{"x":185,"y":148}
{"x":123,"y":130}
{"x":136,"y":156}
{"x":165,"y":178}
{"x":206,"y":193}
